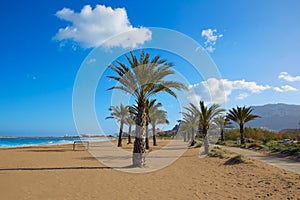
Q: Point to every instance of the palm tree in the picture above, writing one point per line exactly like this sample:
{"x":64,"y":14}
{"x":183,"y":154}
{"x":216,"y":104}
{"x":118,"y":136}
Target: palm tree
{"x":183,"y":130}
{"x":156,"y":117}
{"x":241,"y":115}
{"x":189,"y":123}
{"x":120,"y":113}
{"x":130,"y":121}
{"x":222,"y":122}
{"x":149,"y":105}
{"x":144,"y":78}
{"x":206,"y":116}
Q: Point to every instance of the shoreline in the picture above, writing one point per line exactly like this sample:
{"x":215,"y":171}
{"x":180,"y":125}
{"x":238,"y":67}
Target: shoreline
{"x":54,"y":144}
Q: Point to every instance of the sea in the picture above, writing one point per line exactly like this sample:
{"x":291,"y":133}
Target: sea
{"x":6,"y":142}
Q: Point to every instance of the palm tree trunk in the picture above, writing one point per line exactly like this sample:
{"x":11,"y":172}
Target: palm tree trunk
{"x":188,"y":136}
{"x":242,"y":133}
{"x":193,"y":138}
{"x":206,"y":142}
{"x":222,"y":134}
{"x":185,"y":136}
{"x":147,"y":137}
{"x":139,"y":155}
{"x":120,"y":134}
{"x":129,"y":134}
{"x":154,"y":134}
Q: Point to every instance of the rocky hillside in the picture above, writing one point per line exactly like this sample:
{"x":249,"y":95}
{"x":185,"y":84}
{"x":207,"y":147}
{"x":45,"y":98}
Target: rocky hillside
{"x":277,"y":116}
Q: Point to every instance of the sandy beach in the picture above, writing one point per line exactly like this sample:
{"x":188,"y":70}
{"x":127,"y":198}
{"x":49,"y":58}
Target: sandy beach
{"x":58,"y":172}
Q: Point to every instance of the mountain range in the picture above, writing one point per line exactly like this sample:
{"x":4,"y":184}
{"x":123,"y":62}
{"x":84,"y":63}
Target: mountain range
{"x":276,"y":116}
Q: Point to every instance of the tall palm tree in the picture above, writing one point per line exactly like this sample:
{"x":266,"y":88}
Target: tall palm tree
{"x":130,"y":122}
{"x":241,"y":115}
{"x":144,"y":78}
{"x":206,"y":116}
{"x":189,"y":123}
{"x":156,"y":117}
{"x":120,"y":113}
{"x":222,"y":122}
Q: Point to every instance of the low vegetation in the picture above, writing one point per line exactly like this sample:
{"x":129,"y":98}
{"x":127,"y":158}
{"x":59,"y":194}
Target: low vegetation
{"x":235,"y":160}
{"x":198,"y":144}
{"x":232,"y":158}
{"x":261,"y":139}
{"x":218,"y":152}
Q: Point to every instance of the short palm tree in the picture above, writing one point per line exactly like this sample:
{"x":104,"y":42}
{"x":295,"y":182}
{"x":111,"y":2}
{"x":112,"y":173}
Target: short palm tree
{"x":184,"y":130}
{"x":206,"y":116}
{"x":189,"y":123}
{"x":143,"y":79}
{"x":222,"y":122}
{"x":130,"y":122}
{"x":241,"y":115}
{"x":156,"y":117}
{"x":149,"y":105}
{"x":120,"y":113}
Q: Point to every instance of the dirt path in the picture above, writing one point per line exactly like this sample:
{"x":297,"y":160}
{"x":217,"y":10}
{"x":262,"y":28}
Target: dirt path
{"x":283,"y":163}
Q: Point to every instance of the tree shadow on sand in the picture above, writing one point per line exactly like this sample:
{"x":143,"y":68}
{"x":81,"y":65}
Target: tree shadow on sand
{"x":50,"y":168}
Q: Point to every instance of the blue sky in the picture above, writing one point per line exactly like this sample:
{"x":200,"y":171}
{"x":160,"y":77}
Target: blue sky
{"x":254,"y":44}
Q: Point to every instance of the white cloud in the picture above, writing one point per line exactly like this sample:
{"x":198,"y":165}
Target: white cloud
{"x":210,"y":49}
{"x":31,"y":76}
{"x":242,"y":96}
{"x":74,"y":47}
{"x":286,"y":76}
{"x":194,"y":98}
{"x":218,"y":90}
{"x":211,"y":38}
{"x":92,"y":60}
{"x":91,"y":27}
{"x":285,"y":88}
{"x":253,"y":87}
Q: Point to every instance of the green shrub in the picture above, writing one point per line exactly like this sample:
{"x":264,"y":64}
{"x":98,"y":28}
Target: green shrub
{"x":217,"y":152}
{"x":221,"y":142}
{"x":198,"y":144}
{"x":235,"y":160}
{"x":255,"y":146}
{"x":289,"y":148}
{"x":252,"y":134}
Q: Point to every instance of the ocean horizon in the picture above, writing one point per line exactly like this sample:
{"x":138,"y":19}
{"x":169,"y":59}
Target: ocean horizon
{"x":16,"y":141}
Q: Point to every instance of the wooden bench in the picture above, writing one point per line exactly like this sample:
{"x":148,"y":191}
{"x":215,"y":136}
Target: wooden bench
{"x":81,"y":142}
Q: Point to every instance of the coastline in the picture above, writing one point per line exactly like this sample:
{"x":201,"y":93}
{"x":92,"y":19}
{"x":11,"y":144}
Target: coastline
{"x":48,"y":141}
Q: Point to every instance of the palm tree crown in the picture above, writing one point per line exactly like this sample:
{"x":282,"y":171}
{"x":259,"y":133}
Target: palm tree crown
{"x":206,"y":114}
{"x":119,"y":113}
{"x":241,"y":115}
{"x":146,"y":77}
